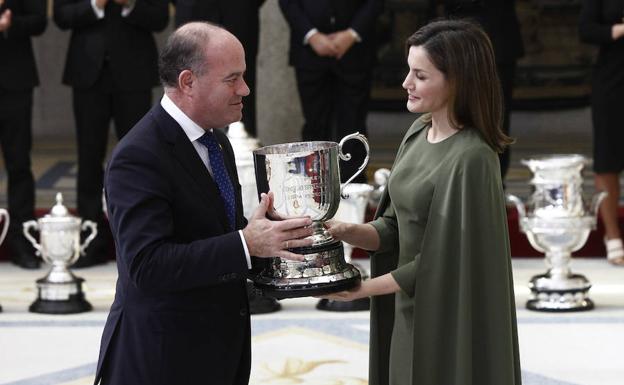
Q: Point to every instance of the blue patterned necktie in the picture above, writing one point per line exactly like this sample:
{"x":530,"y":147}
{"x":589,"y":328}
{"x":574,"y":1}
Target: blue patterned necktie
{"x":220,"y":175}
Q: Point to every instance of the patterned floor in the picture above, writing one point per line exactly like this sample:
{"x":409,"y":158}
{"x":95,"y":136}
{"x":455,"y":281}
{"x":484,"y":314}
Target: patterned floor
{"x":302,"y":345}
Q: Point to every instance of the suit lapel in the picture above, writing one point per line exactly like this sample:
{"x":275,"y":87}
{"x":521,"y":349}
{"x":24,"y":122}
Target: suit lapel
{"x":186,"y":154}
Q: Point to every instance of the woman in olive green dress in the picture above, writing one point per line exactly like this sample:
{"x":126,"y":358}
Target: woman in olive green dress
{"x":440,"y":234}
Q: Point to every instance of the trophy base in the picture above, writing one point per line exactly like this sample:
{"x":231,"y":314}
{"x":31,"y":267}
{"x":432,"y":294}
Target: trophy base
{"x":560,"y":295}
{"x":344,"y":306}
{"x":323,"y":271}
{"x":259,"y":304}
{"x":298,"y":290}
{"x":60,"y":298}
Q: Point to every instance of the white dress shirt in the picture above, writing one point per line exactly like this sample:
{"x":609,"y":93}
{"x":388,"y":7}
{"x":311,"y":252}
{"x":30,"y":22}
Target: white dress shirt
{"x":193,"y":131}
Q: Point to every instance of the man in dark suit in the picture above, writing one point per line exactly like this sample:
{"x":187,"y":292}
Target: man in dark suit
{"x":180,"y":314}
{"x":19,"y":20}
{"x":500,"y":22}
{"x":332,"y":47}
{"x":111,"y":67}
{"x":240,"y":17}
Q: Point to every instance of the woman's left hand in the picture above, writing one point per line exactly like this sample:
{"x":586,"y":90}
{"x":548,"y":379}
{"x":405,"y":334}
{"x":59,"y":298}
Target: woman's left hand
{"x":348,"y":295}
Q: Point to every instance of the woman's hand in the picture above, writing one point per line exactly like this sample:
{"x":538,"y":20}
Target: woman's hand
{"x":617,"y":31}
{"x":336,"y":228}
{"x":348,"y":295}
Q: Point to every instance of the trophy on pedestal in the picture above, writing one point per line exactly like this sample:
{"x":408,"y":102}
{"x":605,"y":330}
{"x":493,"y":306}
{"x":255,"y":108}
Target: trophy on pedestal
{"x":60,"y":291}
{"x":305,"y":180}
{"x":5,"y":227}
{"x":557,"y":222}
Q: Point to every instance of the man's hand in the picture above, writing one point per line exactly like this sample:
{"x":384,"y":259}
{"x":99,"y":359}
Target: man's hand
{"x":343,"y":40}
{"x":5,"y":20}
{"x":101,"y":4}
{"x":323,"y":45}
{"x":266,"y":238}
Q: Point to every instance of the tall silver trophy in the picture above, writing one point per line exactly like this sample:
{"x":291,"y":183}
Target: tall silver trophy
{"x":557,"y":222}
{"x":60,"y":291}
{"x":5,"y":227}
{"x":305,"y":180}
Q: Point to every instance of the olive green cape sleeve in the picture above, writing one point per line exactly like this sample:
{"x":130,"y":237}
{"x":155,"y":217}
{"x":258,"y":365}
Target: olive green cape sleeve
{"x":464,"y":326}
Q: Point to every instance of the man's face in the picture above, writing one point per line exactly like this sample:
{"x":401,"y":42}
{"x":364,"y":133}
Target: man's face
{"x":217,"y":95}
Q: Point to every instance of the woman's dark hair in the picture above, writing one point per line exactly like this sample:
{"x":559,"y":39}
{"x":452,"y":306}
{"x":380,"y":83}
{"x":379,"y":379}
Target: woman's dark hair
{"x":462,"y":51}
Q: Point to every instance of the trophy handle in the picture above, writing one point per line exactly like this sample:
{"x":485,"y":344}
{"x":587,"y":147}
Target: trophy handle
{"x":347,"y":157}
{"x":519,"y":205}
{"x":93,"y":227}
{"x":5,"y":221}
{"x":27,"y":226}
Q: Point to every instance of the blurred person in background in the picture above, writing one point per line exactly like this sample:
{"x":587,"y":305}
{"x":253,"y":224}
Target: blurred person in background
{"x":111,"y":66}
{"x":19,"y":21}
{"x":332,"y":48}
{"x":602,"y":23}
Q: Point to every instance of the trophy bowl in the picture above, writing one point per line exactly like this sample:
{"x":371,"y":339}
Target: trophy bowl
{"x":305,"y":180}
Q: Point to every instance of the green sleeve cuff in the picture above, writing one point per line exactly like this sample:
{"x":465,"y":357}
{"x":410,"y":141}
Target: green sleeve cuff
{"x":388,"y":239}
{"x":406,"y":277}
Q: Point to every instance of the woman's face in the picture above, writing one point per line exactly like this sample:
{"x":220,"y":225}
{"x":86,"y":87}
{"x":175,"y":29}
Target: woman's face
{"x":426,"y":86}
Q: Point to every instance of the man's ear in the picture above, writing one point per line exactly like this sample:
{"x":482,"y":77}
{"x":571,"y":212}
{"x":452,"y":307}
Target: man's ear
{"x":185,"y":81}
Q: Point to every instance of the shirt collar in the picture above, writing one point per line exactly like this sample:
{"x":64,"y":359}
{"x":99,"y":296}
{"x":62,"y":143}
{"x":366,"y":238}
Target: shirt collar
{"x":191,"y":129}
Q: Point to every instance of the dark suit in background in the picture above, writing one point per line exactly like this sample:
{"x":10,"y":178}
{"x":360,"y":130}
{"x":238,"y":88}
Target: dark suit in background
{"x":18,"y":77}
{"x":334,"y":92}
{"x":500,"y":22}
{"x":241,"y":18}
{"x":180,"y":314}
{"x":111,"y":66}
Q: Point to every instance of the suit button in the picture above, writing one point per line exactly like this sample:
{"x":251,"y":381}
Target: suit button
{"x":243,"y":312}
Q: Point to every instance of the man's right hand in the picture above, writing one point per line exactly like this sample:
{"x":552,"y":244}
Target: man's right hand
{"x":323,"y":45}
{"x":266,"y":238}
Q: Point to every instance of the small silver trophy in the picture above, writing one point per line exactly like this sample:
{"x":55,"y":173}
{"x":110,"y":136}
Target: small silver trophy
{"x":305,"y":180}
{"x":60,"y":291}
{"x":5,"y":227}
{"x":557,"y":222}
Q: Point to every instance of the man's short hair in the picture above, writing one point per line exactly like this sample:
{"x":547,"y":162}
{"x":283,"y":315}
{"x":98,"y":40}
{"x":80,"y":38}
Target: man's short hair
{"x":184,"y":50}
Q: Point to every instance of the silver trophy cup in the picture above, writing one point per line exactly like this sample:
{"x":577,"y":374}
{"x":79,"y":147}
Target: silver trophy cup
{"x":557,"y":222}
{"x":305,"y":180}
{"x":5,"y":227}
{"x":60,"y":291}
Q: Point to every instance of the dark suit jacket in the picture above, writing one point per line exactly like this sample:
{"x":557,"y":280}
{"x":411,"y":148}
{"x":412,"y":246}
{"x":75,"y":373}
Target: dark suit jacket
{"x":330,"y":16}
{"x":180,"y":314}
{"x":498,"y":18}
{"x":127,"y":43}
{"x":18,"y":70}
{"x":240,"y":17}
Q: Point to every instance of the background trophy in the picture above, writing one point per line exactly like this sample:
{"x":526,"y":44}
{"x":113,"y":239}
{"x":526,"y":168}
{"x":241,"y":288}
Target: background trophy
{"x":5,"y":227}
{"x":557,"y":222}
{"x":60,"y":291}
{"x":305,"y":180}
